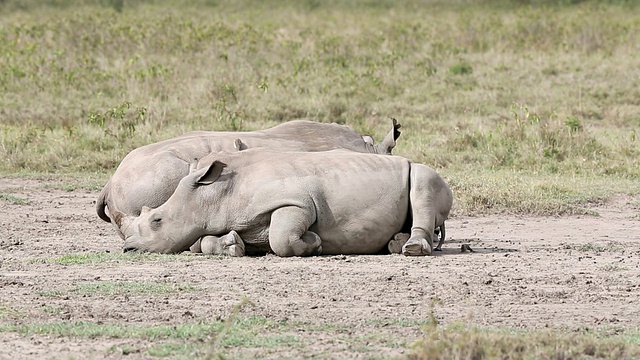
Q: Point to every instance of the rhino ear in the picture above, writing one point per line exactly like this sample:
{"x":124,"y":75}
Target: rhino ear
{"x":211,"y":174}
{"x":239,"y":145}
{"x":368,"y":139}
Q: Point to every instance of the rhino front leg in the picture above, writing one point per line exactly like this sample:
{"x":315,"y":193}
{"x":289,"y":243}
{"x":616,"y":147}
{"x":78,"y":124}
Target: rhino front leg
{"x":395,"y":245}
{"x":289,"y":235}
{"x":230,"y":244}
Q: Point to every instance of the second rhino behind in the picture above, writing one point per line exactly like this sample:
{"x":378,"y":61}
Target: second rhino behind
{"x":298,"y":204}
{"x":148,"y":175}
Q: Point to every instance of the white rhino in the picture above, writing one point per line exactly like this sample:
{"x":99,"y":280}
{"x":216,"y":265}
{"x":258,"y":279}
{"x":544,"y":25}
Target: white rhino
{"x":148,"y":175}
{"x":298,"y":204}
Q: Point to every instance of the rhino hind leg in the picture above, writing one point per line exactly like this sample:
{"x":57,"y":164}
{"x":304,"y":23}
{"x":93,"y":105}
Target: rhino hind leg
{"x":289,"y":235}
{"x":424,"y":196}
{"x":230,"y":244}
{"x":419,"y":244}
{"x":395,"y":245}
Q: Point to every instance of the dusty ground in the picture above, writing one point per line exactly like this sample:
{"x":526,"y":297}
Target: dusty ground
{"x":568,"y":272}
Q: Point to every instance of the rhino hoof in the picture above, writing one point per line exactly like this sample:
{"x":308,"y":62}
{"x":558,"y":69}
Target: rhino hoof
{"x":396,"y":244}
{"x":230,"y":244}
{"x":416,"y":247}
{"x":233,"y":244}
{"x":235,"y":250}
{"x":195,"y":248}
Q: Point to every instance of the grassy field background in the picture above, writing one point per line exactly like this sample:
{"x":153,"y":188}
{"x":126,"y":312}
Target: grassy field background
{"x":529,"y":107}
{"x":524,"y":106}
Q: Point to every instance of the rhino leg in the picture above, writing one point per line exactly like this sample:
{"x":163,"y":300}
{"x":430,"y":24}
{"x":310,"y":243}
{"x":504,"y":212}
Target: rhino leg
{"x":423,"y":197}
{"x":419,"y":244}
{"x":395,"y":245}
{"x":398,"y":241}
{"x":289,"y":235}
{"x":230,"y":244}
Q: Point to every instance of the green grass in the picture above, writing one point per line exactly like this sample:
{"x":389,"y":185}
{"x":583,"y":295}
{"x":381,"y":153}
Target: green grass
{"x":244,"y":332}
{"x":614,"y":267}
{"x":117,"y":258}
{"x":259,"y":336}
{"x":93,"y":330}
{"x":13,"y":199}
{"x":611,"y":247}
{"x":114,"y":288}
{"x":459,"y":341}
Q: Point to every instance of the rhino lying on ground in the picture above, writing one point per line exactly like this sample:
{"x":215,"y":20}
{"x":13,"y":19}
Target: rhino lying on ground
{"x":147,"y":176}
{"x":298,"y":204}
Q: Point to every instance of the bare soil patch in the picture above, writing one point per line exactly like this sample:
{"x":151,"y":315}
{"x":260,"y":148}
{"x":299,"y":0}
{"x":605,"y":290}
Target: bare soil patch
{"x":524,"y":272}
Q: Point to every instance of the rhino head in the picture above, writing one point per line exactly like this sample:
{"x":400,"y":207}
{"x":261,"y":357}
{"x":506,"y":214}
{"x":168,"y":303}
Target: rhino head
{"x":179,"y":222}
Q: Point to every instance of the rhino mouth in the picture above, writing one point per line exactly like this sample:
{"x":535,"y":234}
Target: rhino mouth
{"x":127,"y":249}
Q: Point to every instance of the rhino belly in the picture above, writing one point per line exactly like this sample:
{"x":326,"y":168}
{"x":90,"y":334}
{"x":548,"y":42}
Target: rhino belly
{"x":363,"y":227}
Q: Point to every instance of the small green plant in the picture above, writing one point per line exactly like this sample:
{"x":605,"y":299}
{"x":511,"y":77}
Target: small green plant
{"x":227,"y":107}
{"x":117,"y":5}
{"x":118,"y":122}
{"x":461,"y":68}
{"x":573,"y":123}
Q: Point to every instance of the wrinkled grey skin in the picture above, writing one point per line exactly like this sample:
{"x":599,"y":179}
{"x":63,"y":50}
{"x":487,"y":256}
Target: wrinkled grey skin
{"x":148,"y":175}
{"x":298,"y":204}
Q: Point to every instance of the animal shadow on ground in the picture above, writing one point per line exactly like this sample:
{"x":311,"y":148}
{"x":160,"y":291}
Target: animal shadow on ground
{"x":473,"y":246}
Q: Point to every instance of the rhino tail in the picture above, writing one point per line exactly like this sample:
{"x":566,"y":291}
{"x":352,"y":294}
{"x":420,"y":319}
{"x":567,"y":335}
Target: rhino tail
{"x":101,"y":203}
{"x":389,"y":141}
{"x":441,"y":241}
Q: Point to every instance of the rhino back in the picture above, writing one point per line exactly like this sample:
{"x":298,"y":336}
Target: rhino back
{"x":314,"y":136}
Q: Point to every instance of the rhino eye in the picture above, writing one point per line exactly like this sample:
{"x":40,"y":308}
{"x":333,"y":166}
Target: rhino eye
{"x":155,"y":223}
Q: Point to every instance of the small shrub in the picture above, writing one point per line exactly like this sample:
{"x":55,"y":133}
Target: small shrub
{"x":118,"y":122}
{"x":461,"y":69}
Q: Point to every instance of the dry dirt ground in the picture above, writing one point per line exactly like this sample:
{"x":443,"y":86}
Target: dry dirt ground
{"x":525,"y":272}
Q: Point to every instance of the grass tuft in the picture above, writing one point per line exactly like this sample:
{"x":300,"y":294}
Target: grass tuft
{"x":119,"y":257}
{"x":14,"y":200}
{"x":115,"y":288}
{"x":459,"y":341}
